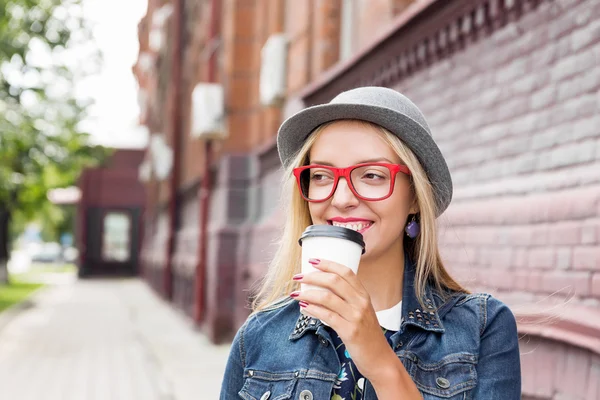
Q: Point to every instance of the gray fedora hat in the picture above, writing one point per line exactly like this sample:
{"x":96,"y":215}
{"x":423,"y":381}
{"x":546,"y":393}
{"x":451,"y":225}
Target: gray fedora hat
{"x":384,"y":107}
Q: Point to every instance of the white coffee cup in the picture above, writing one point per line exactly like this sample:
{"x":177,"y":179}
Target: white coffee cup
{"x":333,"y":243}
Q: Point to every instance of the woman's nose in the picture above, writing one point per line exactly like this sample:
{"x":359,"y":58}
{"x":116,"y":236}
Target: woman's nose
{"x":343,"y":196}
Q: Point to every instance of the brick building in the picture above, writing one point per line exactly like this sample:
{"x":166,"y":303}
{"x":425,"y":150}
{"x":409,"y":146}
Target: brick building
{"x":510,"y":88}
{"x":109,"y":213}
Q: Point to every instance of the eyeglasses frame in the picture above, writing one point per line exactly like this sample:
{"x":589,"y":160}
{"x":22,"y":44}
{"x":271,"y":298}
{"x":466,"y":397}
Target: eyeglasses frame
{"x":345,"y":173}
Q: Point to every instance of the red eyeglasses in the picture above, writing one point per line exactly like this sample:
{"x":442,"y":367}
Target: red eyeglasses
{"x":371,"y":181}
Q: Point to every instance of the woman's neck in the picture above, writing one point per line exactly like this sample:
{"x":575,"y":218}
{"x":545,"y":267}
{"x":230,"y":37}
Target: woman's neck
{"x":383,"y":278}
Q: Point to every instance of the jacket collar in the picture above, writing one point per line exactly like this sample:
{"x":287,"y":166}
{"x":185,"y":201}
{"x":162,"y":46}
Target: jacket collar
{"x":427,"y":318}
{"x":413,"y":313}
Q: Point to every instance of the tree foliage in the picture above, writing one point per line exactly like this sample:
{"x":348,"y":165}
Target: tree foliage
{"x":41,"y":144}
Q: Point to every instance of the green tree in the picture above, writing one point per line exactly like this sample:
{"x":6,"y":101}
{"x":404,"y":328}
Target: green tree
{"x":41,"y":143}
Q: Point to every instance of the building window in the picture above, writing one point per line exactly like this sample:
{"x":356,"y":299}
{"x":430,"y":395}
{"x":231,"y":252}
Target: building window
{"x":116,"y":237}
{"x":347,"y":29}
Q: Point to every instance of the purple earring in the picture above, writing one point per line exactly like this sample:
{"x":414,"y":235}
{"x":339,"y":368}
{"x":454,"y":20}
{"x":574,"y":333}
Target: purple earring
{"x":412,"y":228}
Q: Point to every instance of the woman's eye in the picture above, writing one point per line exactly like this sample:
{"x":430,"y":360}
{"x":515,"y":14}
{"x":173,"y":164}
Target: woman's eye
{"x":318,"y":177}
{"x":373,"y":176}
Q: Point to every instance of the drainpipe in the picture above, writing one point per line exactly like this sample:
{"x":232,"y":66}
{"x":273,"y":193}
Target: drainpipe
{"x":206,"y":184}
{"x":175,"y":125}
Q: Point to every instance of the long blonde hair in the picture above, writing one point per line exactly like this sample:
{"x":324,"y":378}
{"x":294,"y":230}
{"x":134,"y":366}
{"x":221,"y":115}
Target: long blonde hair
{"x":278,"y":283}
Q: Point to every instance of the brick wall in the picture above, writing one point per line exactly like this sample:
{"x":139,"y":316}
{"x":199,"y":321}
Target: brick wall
{"x":313,"y":30}
{"x":517,"y":115}
{"x":373,"y":17}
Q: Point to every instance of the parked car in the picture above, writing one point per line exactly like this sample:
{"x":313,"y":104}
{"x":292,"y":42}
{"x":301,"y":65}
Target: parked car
{"x":49,"y":252}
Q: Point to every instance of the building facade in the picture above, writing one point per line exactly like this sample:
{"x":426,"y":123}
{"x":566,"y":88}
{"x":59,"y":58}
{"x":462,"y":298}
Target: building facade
{"x":510,"y":89}
{"x":109,"y":216}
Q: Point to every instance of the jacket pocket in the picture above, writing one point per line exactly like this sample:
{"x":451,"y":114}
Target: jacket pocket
{"x":453,"y":377}
{"x":260,"y":385}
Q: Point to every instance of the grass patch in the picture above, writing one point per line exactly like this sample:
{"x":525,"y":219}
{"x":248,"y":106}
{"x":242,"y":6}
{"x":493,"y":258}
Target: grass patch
{"x":53,"y":268}
{"x":37,"y":272}
{"x":15,"y":292}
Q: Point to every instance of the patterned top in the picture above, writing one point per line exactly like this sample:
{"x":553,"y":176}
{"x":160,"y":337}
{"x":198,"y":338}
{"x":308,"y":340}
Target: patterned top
{"x":350,"y":383}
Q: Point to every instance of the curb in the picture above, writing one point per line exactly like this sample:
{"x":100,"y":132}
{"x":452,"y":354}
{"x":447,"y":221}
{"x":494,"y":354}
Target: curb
{"x":15,"y":310}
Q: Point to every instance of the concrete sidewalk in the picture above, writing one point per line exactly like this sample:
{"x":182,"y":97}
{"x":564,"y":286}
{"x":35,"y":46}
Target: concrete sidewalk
{"x":106,"y":339}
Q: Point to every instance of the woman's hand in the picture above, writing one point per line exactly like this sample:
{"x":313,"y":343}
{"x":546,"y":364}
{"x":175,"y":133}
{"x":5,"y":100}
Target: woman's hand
{"x":347,"y":308}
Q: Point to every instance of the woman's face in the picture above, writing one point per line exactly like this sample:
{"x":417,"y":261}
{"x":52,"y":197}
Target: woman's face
{"x":346,"y":143}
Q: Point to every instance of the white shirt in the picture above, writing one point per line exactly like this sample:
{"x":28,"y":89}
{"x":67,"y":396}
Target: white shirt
{"x":390,"y":318}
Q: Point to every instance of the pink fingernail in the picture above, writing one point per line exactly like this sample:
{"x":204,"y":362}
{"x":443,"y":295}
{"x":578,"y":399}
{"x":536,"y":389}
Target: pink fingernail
{"x":314,"y":261}
{"x":298,"y":277}
{"x":303,"y":304}
{"x":294,"y":294}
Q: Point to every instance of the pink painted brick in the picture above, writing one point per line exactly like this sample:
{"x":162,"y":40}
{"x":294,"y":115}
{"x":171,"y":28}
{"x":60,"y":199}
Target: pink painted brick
{"x":560,"y":209}
{"x":447,"y":253}
{"x":587,"y":257}
{"x":467,"y":255}
{"x":512,"y":211}
{"x":520,"y":257}
{"x":573,"y":382}
{"x":590,"y":231}
{"x":500,"y":258}
{"x":540,"y":234}
{"x":528,"y":361}
{"x":559,"y":367}
{"x":497,"y":279}
{"x":567,"y":283}
{"x":593,"y":391}
{"x":453,"y":235}
{"x":481,"y":235}
{"x":465,"y":275}
{"x":586,"y":35}
{"x":565,"y":233}
{"x":584,"y":202}
{"x":521,"y":279}
{"x":547,"y":357}
{"x":520,"y":235}
{"x":484,"y":256}
{"x":541,"y":258}
{"x":595,"y":285}
{"x":542,"y":98}
{"x":502,"y":235}
{"x":538,"y":209}
{"x":574,"y":203}
{"x":564,"y":257}
{"x":535,"y":281}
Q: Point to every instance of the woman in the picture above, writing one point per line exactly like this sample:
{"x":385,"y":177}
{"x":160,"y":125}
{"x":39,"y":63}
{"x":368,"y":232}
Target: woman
{"x":401,"y":328}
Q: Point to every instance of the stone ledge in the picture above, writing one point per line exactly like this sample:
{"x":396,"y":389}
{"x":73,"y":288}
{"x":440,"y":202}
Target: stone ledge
{"x":574,"y":325}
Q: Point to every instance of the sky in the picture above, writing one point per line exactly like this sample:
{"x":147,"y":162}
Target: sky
{"x":113,"y":120}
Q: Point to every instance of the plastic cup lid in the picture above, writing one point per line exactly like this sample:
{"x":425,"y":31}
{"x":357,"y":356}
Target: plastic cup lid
{"x":334,"y":232}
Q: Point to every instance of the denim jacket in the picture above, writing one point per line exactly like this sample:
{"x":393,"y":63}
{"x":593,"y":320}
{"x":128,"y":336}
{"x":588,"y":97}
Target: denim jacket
{"x":460,"y":346}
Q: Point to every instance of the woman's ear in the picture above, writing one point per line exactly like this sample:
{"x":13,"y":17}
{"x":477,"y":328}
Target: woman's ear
{"x":414,"y":207}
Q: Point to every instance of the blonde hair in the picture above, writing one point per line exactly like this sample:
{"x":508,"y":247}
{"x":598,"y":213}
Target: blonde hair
{"x":278,"y":283}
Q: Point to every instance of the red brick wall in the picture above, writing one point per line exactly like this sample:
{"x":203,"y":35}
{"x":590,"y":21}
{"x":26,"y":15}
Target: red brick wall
{"x":299,"y":33}
{"x":197,"y":20}
{"x":372,"y":18}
